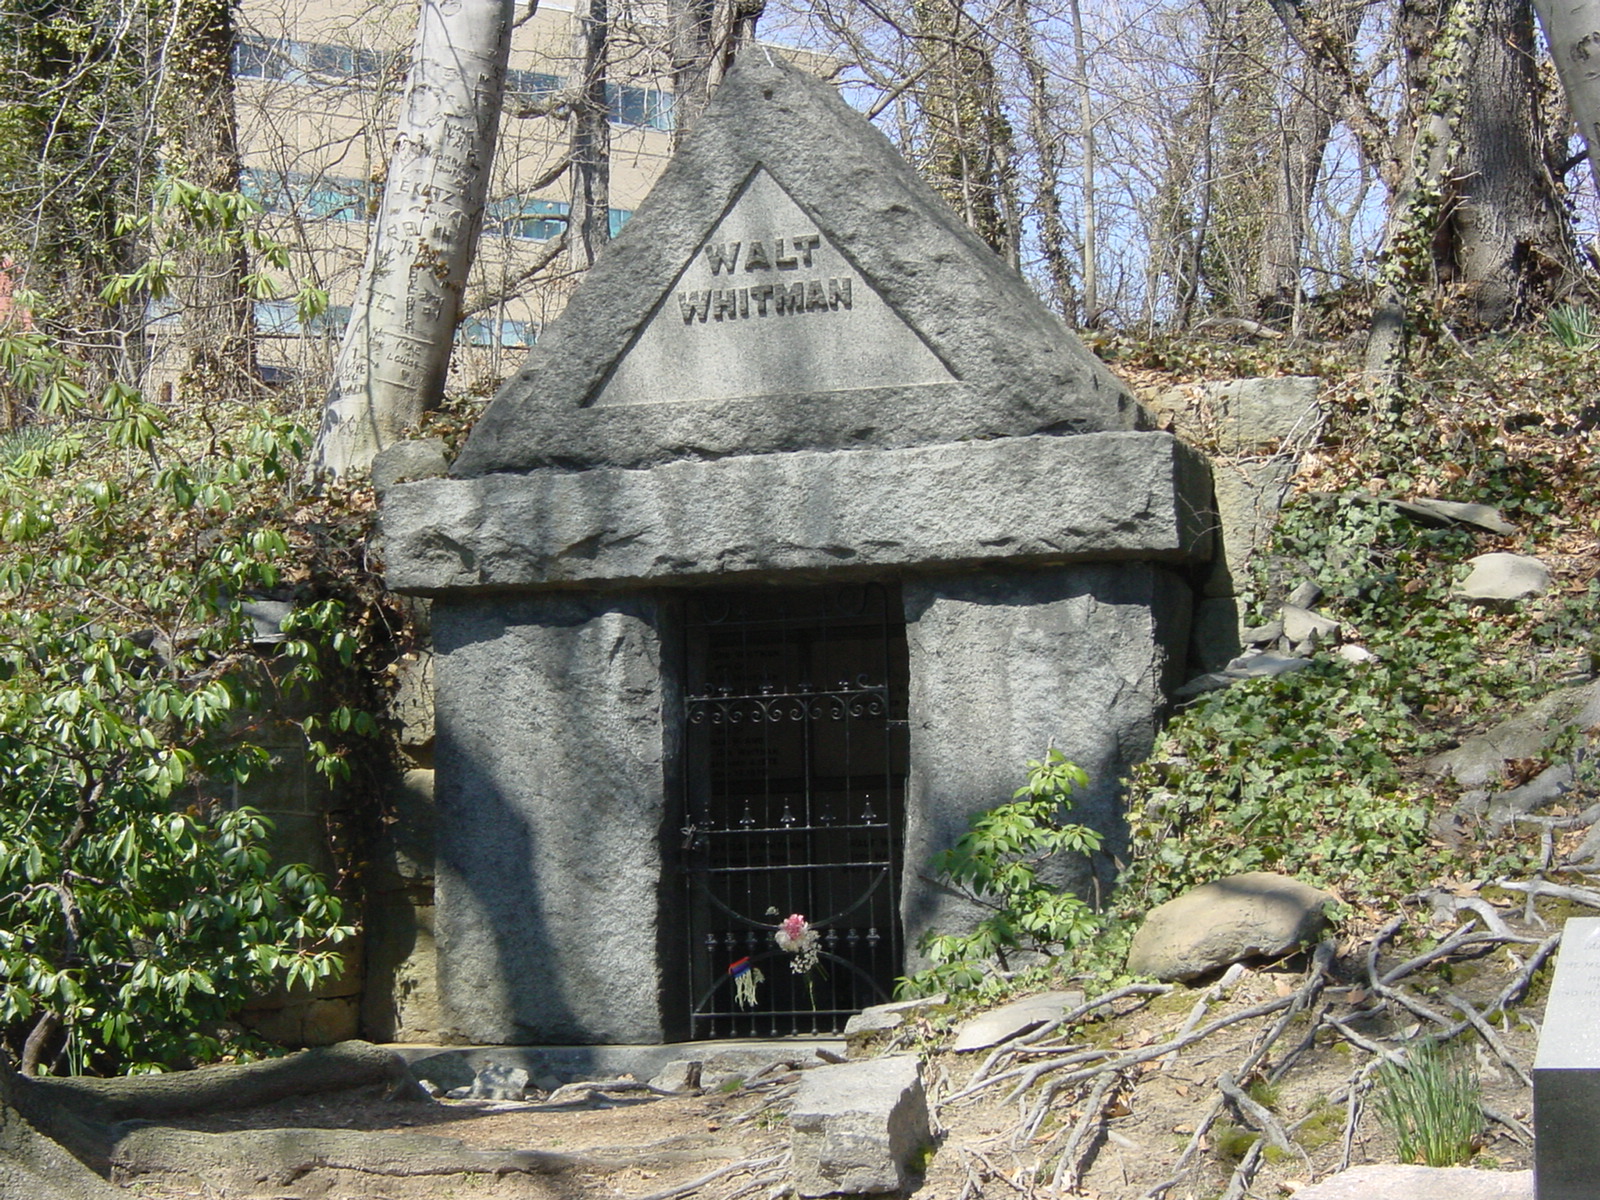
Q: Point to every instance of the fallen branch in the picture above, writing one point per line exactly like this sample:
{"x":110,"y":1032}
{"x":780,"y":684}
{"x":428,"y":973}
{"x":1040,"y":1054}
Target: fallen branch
{"x":694,"y":1185}
{"x":1487,"y":1033}
{"x":1075,"y":1154}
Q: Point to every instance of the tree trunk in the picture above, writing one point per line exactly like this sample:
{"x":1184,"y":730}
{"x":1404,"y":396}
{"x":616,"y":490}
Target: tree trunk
{"x":969,"y":153}
{"x":1440,"y":37}
{"x":1572,"y":27}
{"x":705,"y":35}
{"x":1505,"y":236}
{"x":1091,"y":225}
{"x":589,"y":217}
{"x":1307,"y":126}
{"x":396,"y":349}
{"x":200,"y":132}
{"x":1047,"y":152}
{"x":34,"y":1163}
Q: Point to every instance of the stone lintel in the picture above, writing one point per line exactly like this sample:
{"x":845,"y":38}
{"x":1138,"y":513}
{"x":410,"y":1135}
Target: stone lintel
{"x":1033,"y":500}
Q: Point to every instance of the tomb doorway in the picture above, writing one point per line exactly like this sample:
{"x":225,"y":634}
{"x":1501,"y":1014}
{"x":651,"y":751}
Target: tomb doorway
{"x":795,"y":758}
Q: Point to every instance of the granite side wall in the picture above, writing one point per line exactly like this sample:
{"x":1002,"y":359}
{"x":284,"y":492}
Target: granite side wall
{"x":554,"y":719}
{"x":1006,"y":664}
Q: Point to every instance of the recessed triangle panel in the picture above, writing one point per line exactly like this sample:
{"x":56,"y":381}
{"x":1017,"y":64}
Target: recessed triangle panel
{"x":768,"y":301}
{"x":888,"y":324}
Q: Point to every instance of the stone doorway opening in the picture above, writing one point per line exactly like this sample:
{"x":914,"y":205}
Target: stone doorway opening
{"x":795,"y":756}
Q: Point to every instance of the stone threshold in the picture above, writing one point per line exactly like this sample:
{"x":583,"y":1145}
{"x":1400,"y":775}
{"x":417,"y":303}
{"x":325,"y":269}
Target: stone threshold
{"x":456,"y":1066}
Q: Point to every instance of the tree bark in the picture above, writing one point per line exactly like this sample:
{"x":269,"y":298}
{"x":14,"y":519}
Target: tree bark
{"x":589,"y":216}
{"x":1504,"y":239}
{"x":1572,"y":28}
{"x":1046,"y":150}
{"x":1308,"y":123}
{"x":200,"y":132}
{"x":396,"y":349}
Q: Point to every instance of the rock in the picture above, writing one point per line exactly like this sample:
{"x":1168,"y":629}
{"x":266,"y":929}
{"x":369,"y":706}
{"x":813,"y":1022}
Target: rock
{"x":1480,"y":760}
{"x":1388,"y":1181}
{"x":266,"y":619}
{"x":680,"y":1075}
{"x":879,"y":1017}
{"x":1263,"y":635}
{"x":1428,"y":511}
{"x":498,"y":1082}
{"x":1255,"y":412}
{"x":1504,"y":578}
{"x":430,"y":1088}
{"x":1249,"y":496}
{"x":411,"y":702}
{"x":424,"y":458}
{"x":1305,"y":594}
{"x":1352,"y":653}
{"x":1227,"y":921}
{"x":1301,"y":624}
{"x":857,"y":1127}
{"x":1248,"y":666}
{"x":1014,"y":1019}
{"x":1214,"y":632}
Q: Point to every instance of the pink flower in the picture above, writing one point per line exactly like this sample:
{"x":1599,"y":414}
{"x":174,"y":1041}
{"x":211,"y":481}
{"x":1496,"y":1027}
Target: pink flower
{"x":791,"y":934}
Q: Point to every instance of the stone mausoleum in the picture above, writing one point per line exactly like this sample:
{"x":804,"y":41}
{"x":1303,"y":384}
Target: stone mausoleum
{"x":800,"y":532}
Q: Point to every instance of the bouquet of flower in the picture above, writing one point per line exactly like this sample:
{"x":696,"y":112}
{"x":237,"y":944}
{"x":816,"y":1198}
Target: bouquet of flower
{"x":796,"y":936}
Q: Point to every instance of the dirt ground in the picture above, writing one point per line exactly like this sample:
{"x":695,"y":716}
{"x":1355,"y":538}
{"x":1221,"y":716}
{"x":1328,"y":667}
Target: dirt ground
{"x":654,"y":1146}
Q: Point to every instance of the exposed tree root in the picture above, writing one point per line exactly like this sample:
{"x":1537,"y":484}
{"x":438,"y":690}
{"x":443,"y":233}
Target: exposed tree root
{"x":1047,"y":1070}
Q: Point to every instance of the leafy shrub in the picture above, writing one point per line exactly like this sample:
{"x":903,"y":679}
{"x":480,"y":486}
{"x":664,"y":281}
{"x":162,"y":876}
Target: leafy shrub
{"x":138,"y":908}
{"x":996,"y":865}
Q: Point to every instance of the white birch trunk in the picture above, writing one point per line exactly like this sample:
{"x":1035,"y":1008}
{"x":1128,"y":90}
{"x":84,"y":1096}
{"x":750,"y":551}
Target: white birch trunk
{"x":1572,"y":27}
{"x":396,"y":349}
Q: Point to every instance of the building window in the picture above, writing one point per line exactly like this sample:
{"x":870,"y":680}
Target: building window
{"x":535,"y":220}
{"x":280,"y":318}
{"x":312,"y":197}
{"x":484,"y":331}
{"x":619,"y":218}
{"x":531,"y":84}
{"x":255,"y":58}
{"x":648,"y":108}
{"x":304,"y":62}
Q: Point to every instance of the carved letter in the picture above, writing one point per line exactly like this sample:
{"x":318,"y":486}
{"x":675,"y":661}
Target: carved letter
{"x":806,"y":245}
{"x":720,"y":258}
{"x":756,"y":258}
{"x":816,"y":296}
{"x":725,"y":303}
{"x":783,"y":260}
{"x":839,"y":292}
{"x":694,"y":304}
{"x":790,"y":299}
{"x":761,"y":295}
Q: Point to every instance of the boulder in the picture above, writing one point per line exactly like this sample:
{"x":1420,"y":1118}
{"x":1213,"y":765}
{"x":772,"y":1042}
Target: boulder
{"x":1504,"y":578}
{"x":1014,"y":1019}
{"x":1226,"y":921}
{"x":1389,"y":1181}
{"x":857,"y":1127}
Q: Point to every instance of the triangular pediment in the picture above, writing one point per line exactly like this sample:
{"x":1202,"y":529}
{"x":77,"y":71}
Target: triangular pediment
{"x":767,"y":300}
{"x":894,"y":326}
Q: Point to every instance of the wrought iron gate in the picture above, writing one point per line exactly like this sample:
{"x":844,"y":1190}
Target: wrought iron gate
{"x":795,"y":779}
